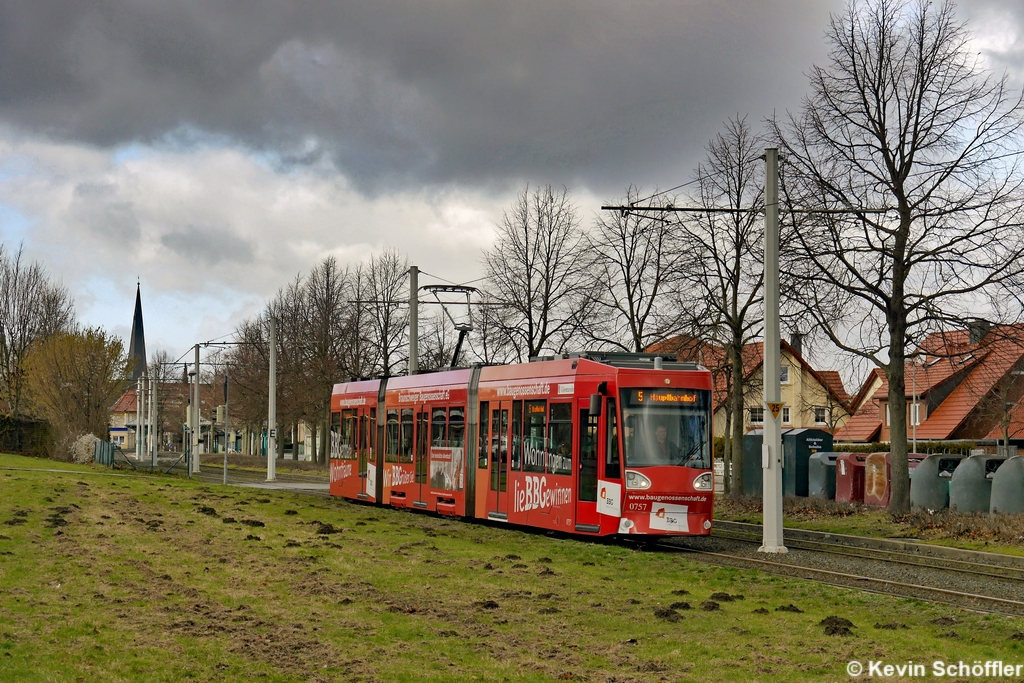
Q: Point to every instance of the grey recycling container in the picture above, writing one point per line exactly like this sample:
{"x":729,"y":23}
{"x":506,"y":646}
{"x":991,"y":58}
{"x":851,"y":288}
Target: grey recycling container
{"x":821,"y":475}
{"x":970,"y":489}
{"x":1008,"y":487}
{"x":929,"y":481}
{"x":752,"y":484}
{"x":797,"y":447}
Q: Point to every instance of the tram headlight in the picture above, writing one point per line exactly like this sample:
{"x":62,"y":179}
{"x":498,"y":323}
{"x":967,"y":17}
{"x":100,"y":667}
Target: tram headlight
{"x":635,"y":480}
{"x":704,"y":482}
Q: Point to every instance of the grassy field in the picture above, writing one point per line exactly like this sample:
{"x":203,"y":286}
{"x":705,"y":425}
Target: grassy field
{"x":153,"y":578}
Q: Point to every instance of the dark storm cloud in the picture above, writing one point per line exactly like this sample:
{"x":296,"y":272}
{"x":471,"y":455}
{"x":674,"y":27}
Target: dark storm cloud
{"x":208,"y":246}
{"x":398,"y":93}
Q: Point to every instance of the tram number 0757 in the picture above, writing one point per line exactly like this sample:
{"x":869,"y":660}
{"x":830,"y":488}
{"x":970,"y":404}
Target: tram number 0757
{"x":637,"y":507}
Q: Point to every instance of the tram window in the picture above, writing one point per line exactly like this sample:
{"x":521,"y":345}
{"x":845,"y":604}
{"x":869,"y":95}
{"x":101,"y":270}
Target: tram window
{"x":588,"y":456}
{"x":456,"y":426}
{"x":485,"y":410}
{"x":373,"y":429}
{"x":347,"y":440}
{"x":335,"y":435}
{"x":611,"y":463}
{"x":362,"y":434}
{"x":534,"y":434}
{"x":517,"y":435}
{"x":405,"y":446}
{"x":560,"y":439}
{"x":391,"y":437}
{"x":439,"y":428}
{"x":421,"y":447}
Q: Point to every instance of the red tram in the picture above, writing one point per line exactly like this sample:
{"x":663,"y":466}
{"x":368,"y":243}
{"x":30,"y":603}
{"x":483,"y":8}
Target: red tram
{"x":594,"y":444}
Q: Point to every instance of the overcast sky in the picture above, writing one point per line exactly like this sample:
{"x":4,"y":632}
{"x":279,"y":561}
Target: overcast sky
{"x":215,"y":149}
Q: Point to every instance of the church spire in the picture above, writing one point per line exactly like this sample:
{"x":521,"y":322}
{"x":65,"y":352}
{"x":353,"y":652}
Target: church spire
{"x":137,"y":344}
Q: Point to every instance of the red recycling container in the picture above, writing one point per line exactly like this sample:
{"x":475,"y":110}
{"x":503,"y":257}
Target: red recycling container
{"x":878,"y":476}
{"x":850,"y":478}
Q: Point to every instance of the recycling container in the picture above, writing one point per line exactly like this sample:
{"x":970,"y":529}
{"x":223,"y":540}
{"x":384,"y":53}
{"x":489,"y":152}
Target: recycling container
{"x":752,"y":441}
{"x":821,"y":475}
{"x":878,"y":476}
{"x":1008,"y":487}
{"x":970,"y":489}
{"x":929,"y":486}
{"x":798,"y":445}
{"x":850,"y":477}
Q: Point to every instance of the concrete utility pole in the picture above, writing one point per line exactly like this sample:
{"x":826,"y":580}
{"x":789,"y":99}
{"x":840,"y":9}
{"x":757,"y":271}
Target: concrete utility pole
{"x":154,"y":420}
{"x":272,"y":407}
{"x":771,"y":449}
{"x":196,"y":417}
{"x":138,"y":419}
{"x":226,"y":432}
{"x":414,"y":320}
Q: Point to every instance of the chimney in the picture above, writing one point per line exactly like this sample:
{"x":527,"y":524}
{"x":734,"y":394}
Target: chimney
{"x":797,"y":342}
{"x":978,"y":328}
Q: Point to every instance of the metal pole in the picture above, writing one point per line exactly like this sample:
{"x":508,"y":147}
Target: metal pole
{"x":414,"y":320}
{"x":226,"y":433}
{"x":914,"y":411}
{"x":138,"y":418}
{"x":771,"y":450}
{"x":154,"y":420}
{"x":272,"y":407}
{"x":196,"y":417}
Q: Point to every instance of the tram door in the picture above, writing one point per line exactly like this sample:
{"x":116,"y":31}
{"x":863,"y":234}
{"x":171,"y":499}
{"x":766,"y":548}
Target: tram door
{"x":589,"y":448}
{"x":422,"y":448}
{"x":497,"y":497}
{"x":364,"y":446}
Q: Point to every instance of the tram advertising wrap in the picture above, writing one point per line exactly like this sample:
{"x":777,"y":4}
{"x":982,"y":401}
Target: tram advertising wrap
{"x":596,"y":444}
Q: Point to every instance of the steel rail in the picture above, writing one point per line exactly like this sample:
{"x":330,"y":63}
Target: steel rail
{"x":843,"y":580}
{"x":891,"y":556}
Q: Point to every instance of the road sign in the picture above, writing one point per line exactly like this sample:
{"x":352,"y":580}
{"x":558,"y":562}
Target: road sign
{"x":775,"y":409}
{"x":273,"y":433}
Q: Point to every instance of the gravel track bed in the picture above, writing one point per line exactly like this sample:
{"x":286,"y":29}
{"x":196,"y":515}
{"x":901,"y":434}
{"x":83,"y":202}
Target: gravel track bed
{"x":948,"y":579}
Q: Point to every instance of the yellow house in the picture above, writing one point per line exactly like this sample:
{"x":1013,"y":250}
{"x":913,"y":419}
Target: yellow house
{"x":810,"y":398}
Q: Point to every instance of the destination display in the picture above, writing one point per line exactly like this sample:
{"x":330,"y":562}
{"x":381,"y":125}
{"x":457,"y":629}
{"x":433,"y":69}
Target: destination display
{"x":671,"y":396}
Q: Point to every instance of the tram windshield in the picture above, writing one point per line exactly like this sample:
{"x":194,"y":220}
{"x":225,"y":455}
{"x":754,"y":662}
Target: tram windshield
{"x":666,"y":427}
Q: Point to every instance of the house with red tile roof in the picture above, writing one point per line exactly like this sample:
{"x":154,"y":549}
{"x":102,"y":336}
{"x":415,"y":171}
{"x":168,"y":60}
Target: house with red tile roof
{"x":967,"y":384}
{"x":811,"y":398}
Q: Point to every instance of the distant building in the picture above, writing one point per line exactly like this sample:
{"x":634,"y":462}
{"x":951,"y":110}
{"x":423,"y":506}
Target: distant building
{"x":811,"y":398}
{"x":967,"y":385}
{"x":137,"y":343}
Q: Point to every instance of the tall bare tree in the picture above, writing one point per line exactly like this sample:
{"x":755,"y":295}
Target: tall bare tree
{"x":723,"y":273}
{"x":537,"y":269}
{"x":327,"y":312}
{"x":32,"y":308}
{"x":635,"y":258}
{"x":904,"y":118}
{"x":388,"y":286}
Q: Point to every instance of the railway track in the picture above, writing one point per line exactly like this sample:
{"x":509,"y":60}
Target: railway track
{"x":979,"y":581}
{"x":914,"y":554}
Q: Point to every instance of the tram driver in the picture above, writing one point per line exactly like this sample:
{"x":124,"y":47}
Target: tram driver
{"x":665,"y":451}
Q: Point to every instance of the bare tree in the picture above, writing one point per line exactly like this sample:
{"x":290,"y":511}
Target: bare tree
{"x":723,"y":273}
{"x":32,"y":308}
{"x":537,"y":269}
{"x":635,"y":258}
{"x":388,"y":286}
{"x":327,"y":312}
{"x":903,"y":118}
{"x":437,"y":342}
{"x":489,"y":343}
